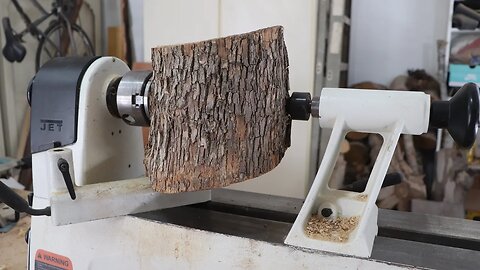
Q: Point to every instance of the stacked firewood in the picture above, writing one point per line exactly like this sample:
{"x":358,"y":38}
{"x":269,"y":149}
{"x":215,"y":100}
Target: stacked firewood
{"x":362,"y":151}
{"x":357,"y":157}
{"x":405,"y":162}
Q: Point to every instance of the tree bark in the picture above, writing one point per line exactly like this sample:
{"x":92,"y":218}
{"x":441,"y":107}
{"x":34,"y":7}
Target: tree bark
{"x":218,"y":111}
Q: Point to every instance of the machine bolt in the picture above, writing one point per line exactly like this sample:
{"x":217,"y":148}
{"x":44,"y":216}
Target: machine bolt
{"x":63,"y":167}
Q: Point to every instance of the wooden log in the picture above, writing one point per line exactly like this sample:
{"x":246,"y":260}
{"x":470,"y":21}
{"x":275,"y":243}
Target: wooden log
{"x":338,"y":174}
{"x":344,"y":146}
{"x":218,"y":111}
{"x":143,"y":66}
{"x":357,"y":160}
{"x":386,"y":192}
{"x":389,"y":203}
{"x":368,"y":85}
{"x":411,"y":153}
{"x":375,"y":142}
{"x":417,"y":188}
{"x":426,"y":141}
{"x":399,"y":83}
{"x":356,"y":136}
{"x":358,"y":154}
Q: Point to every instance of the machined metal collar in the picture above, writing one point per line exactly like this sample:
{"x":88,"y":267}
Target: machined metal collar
{"x":127,"y":97}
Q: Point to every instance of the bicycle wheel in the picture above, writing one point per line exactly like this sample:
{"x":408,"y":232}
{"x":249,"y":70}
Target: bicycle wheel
{"x":56,"y":36}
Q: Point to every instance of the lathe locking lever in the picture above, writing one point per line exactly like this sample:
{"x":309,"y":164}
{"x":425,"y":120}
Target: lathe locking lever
{"x":64,"y":168}
{"x":17,"y":203}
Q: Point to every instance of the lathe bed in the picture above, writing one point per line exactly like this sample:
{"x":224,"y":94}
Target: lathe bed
{"x":406,"y":238}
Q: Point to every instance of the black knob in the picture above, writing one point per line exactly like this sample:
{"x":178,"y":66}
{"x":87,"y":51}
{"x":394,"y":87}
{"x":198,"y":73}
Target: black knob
{"x":299,"y":106}
{"x":459,"y":115}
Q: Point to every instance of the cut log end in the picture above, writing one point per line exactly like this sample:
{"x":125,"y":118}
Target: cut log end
{"x":218,"y":111}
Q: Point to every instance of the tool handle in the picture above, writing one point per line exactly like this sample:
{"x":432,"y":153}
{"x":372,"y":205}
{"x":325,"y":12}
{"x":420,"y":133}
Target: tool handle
{"x":390,"y":179}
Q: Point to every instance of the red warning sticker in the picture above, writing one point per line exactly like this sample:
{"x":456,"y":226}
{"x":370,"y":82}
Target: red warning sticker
{"x":45,"y":260}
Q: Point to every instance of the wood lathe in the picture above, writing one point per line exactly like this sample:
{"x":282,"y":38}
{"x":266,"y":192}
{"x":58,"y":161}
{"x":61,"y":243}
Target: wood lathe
{"x":93,"y":208}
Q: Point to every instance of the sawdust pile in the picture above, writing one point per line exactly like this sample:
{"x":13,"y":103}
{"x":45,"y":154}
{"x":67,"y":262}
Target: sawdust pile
{"x":331,"y":229}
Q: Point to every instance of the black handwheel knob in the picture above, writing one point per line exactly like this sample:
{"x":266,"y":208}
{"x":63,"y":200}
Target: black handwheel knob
{"x":459,"y":115}
{"x":299,"y":105}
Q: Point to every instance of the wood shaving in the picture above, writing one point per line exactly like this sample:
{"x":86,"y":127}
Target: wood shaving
{"x":331,"y":229}
{"x":362,"y":197}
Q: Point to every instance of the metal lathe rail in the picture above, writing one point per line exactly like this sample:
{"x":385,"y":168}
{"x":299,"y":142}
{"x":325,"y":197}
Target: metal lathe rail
{"x":404,"y":238}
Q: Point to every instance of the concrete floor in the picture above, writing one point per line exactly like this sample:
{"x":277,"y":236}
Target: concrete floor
{"x":13,"y":249}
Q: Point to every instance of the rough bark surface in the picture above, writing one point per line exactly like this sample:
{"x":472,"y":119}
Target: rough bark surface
{"x":217,"y":110}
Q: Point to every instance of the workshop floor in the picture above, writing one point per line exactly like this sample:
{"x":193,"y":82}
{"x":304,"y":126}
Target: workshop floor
{"x":13,"y":249}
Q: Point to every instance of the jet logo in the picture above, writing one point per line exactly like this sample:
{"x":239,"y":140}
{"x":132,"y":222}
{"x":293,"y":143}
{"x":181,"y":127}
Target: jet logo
{"x":51,"y":125}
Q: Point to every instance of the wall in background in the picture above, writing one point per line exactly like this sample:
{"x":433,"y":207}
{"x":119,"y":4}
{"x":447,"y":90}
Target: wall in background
{"x":15,"y":77}
{"x":136,"y":14}
{"x":111,"y":16}
{"x":389,"y":37}
{"x":173,"y":22}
